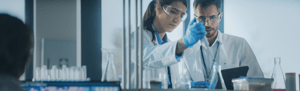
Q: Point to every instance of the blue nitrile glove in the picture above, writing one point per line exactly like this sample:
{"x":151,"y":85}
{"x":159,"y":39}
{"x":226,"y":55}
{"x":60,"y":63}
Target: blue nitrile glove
{"x":195,"y":32}
{"x":200,"y":84}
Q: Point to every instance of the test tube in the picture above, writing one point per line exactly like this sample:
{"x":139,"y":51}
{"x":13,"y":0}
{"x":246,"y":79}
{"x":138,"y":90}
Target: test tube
{"x":37,"y":73}
{"x":64,"y":73}
{"x":48,"y":75}
{"x":83,"y":72}
{"x":56,"y":74}
{"x":72,"y":69}
{"x":67,"y":74}
{"x":44,"y":73}
{"x":61,"y":74}
{"x":53,"y":72}
{"x":77,"y":73}
{"x":290,"y":81}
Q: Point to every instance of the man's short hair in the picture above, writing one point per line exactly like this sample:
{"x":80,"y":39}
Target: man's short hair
{"x":15,"y":46}
{"x":207,"y":3}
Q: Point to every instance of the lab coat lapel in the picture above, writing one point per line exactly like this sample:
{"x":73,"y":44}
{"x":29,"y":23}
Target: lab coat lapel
{"x":207,"y":55}
{"x":199,"y":63}
{"x":222,"y":56}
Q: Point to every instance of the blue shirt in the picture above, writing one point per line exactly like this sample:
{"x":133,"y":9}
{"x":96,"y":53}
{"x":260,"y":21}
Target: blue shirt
{"x":164,"y":40}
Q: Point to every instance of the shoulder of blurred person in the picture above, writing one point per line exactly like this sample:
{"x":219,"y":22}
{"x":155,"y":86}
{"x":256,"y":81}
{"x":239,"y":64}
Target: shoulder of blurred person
{"x":10,"y":84}
{"x":15,"y":49}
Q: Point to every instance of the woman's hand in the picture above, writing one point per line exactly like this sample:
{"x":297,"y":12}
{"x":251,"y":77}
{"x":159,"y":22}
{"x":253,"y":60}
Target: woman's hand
{"x":195,"y":32}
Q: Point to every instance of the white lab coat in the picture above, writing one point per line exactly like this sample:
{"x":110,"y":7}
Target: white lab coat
{"x":156,"y":58}
{"x":233,"y":52}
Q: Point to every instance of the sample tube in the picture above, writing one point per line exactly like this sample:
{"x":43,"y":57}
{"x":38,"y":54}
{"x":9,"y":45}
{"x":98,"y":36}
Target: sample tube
{"x":83,"y":74}
{"x":77,"y":73}
{"x":37,"y":73}
{"x":72,"y":73}
{"x":290,"y":81}
{"x":44,"y":73}
{"x":64,"y":73}
{"x":53,"y":72}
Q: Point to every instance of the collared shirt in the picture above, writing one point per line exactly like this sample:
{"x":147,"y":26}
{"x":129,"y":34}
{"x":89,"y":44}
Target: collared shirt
{"x":164,"y":40}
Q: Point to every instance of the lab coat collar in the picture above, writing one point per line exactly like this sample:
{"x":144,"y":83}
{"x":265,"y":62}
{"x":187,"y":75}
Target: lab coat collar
{"x":158,"y":38}
{"x":221,"y":56}
{"x":161,"y":41}
{"x":204,"y":42}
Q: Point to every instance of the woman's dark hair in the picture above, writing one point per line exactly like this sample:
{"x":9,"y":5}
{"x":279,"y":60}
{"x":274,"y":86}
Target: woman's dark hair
{"x":15,"y":46}
{"x":150,"y":13}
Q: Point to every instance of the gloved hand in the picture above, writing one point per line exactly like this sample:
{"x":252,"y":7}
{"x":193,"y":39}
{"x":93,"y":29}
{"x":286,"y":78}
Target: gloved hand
{"x":195,"y":32}
{"x":200,"y":84}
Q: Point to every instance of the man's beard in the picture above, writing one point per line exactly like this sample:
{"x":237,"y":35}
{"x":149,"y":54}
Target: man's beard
{"x":210,"y":32}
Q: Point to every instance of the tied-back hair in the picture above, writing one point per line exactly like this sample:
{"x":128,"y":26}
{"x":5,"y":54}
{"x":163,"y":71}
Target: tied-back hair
{"x":150,"y":13}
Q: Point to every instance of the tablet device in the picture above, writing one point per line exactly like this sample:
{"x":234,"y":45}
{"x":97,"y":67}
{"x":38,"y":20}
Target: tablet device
{"x":229,"y":74}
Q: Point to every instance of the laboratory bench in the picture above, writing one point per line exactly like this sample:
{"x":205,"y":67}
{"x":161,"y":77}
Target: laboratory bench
{"x":175,"y":90}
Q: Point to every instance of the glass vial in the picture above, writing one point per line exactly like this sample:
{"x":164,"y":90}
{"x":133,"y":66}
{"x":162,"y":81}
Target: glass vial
{"x":278,"y":76}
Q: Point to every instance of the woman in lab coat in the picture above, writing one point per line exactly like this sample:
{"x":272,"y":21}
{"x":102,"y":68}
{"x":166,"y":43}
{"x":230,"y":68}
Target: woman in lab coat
{"x":160,"y":55}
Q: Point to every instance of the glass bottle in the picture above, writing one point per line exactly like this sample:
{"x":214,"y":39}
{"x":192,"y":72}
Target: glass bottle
{"x":278,"y":76}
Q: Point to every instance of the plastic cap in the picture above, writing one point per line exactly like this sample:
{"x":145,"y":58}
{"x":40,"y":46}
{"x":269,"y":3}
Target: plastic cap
{"x":290,"y":73}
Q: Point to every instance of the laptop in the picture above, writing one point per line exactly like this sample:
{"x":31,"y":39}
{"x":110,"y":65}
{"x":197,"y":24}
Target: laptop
{"x":229,"y":74}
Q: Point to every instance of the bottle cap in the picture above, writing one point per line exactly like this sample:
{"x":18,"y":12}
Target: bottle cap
{"x":290,"y":73}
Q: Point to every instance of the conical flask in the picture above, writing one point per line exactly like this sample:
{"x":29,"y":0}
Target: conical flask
{"x":109,"y":73}
{"x":278,"y":76}
{"x":213,"y":76}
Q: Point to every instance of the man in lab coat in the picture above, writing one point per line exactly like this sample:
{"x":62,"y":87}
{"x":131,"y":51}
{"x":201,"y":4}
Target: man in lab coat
{"x":227,"y":50}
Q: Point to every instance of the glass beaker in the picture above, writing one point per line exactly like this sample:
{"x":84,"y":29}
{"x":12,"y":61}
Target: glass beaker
{"x":110,"y":73}
{"x":278,"y":76}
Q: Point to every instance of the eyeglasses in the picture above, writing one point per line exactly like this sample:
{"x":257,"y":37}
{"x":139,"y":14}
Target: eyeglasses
{"x":203,"y":19}
{"x":175,"y":12}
